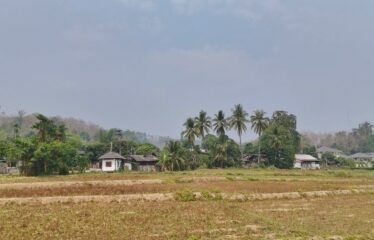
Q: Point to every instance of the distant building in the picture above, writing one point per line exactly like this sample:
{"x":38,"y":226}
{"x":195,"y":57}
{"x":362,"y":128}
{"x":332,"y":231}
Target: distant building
{"x":304,"y":161}
{"x":251,"y":160}
{"x":112,"y":162}
{"x":333,"y":151}
{"x":3,"y":167}
{"x":146,"y":163}
{"x":363,"y":160}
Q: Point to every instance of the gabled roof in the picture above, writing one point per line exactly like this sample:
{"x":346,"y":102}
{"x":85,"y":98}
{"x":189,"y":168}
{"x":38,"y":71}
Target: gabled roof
{"x":111,"y":155}
{"x":143,"y":158}
{"x":328,"y":150}
{"x":305,"y":158}
{"x":362,"y":155}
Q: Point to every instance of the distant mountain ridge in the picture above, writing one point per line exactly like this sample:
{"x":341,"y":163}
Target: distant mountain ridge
{"x":87,"y":130}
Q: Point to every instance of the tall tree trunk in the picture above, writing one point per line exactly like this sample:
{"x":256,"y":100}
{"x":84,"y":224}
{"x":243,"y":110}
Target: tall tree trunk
{"x":241,"y":147}
{"x":259,"y":151}
{"x":45,"y":167}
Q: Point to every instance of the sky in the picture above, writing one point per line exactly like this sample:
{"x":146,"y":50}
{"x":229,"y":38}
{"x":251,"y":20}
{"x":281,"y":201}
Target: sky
{"x":147,"y":65}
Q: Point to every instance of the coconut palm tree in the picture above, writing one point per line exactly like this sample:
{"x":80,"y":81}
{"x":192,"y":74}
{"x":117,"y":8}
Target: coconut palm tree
{"x":175,"y":150}
{"x":220,"y":124}
{"x":220,"y":153}
{"x":203,"y":123}
{"x":164,"y":160}
{"x":276,"y":140}
{"x":191,"y":131}
{"x":259,"y":123}
{"x":238,"y":121}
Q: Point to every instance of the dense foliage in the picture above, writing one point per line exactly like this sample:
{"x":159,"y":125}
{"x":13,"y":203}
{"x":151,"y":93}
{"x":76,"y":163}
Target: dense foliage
{"x":278,"y":139}
{"x":52,"y":149}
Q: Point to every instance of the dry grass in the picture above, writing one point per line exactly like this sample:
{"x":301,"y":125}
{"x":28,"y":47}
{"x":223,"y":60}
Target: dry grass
{"x":350,"y":217}
{"x":116,"y":188}
{"x":309,"y":217}
{"x":246,"y":174}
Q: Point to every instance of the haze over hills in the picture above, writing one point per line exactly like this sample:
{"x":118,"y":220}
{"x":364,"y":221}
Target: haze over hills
{"x":85,"y":129}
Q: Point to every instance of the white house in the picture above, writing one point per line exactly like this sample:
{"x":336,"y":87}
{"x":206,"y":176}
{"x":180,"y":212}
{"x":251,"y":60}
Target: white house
{"x":363,"y":160}
{"x":304,"y":161}
{"x":111,"y":162}
{"x":333,"y":151}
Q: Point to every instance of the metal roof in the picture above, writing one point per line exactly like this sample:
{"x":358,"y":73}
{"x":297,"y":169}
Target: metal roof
{"x":362,"y":155}
{"x":305,"y":158}
{"x":143,"y":158}
{"x":111,"y":155}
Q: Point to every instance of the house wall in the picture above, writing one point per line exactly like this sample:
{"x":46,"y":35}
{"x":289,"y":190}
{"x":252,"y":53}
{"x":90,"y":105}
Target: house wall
{"x":128,"y":166}
{"x":147,"y":168}
{"x":306,"y":165}
{"x":297,"y":165}
{"x":363,"y":164}
{"x":115,"y":165}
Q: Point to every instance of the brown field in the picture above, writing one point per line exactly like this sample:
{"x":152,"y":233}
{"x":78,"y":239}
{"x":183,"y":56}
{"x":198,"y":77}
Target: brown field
{"x":170,"y":209}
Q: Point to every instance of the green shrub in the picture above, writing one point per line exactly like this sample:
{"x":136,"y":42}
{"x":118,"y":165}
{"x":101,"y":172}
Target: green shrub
{"x":64,"y":170}
{"x":185,"y":196}
{"x":216,"y":195}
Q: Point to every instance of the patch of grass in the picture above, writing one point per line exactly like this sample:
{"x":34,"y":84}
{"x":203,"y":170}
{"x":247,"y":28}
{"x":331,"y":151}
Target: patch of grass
{"x":211,"y":195}
{"x":230,"y":178}
{"x":340,"y":174}
{"x":185,"y":196}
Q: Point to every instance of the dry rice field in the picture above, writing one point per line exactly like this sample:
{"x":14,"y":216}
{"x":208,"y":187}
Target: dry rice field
{"x":203,"y":204}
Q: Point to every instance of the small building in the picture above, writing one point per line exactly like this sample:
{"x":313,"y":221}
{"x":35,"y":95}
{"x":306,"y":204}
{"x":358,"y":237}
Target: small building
{"x":3,"y":167}
{"x":145,"y":163}
{"x":333,"y":151}
{"x":112,"y":162}
{"x":363,"y":160}
{"x":304,"y":161}
{"x":251,"y":160}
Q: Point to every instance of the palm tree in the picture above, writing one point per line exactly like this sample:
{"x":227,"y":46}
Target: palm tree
{"x":164,"y":160}
{"x":259,"y":124}
{"x":191,"y":131}
{"x":220,"y":153}
{"x":175,"y":150}
{"x":238,"y":121}
{"x":203,"y":123}
{"x":276,"y":140}
{"x":220,"y":124}
{"x":45,"y":128}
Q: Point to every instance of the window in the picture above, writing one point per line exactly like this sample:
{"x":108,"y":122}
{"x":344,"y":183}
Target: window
{"x":108,"y":164}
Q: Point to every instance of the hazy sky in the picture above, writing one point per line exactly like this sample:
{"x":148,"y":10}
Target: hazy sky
{"x":149,"y":64}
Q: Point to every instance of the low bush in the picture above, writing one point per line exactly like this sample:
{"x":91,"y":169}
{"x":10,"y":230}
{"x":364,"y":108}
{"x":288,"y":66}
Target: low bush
{"x":185,"y":196}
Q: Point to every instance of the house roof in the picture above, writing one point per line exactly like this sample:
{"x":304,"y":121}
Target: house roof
{"x":305,"y":158}
{"x":362,"y":155}
{"x":111,"y":155}
{"x":143,"y":158}
{"x":328,"y":150}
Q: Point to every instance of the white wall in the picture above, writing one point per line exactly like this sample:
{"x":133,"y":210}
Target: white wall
{"x":128,"y":166}
{"x":313,"y":165}
{"x":116,"y":164}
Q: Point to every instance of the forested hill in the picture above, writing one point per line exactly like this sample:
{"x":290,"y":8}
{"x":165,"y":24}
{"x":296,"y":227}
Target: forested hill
{"x":86,"y":130}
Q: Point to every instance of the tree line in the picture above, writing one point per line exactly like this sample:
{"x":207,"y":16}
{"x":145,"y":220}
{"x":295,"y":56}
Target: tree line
{"x":359,"y":139}
{"x":278,"y":140}
{"x":52,"y":149}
